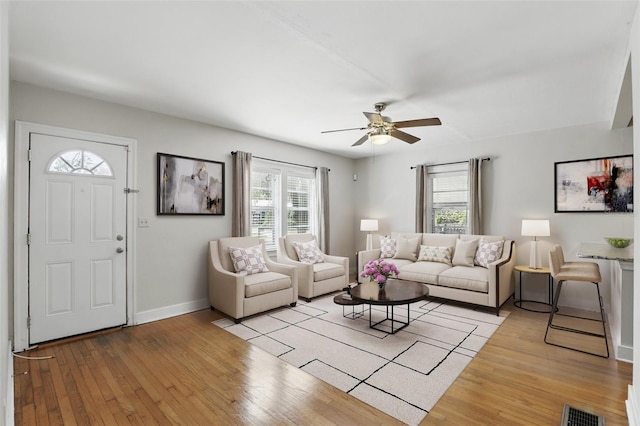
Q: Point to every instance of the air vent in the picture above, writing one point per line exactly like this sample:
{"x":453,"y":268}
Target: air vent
{"x":572,"y":416}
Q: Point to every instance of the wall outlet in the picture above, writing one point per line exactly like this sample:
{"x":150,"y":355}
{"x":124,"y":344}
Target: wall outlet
{"x":143,"y":222}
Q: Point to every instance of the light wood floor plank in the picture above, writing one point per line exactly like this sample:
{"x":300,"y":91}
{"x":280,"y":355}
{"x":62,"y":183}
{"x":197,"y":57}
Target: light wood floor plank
{"x":184,"y":370}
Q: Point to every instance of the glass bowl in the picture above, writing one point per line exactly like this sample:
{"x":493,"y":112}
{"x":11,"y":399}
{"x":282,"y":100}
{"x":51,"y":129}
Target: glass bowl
{"x":618,"y":242}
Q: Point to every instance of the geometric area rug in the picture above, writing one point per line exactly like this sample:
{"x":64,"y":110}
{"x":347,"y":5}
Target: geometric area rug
{"x":403,"y":374}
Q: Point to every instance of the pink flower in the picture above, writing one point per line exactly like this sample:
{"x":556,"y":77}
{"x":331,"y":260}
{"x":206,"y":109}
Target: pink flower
{"x":379,"y":270}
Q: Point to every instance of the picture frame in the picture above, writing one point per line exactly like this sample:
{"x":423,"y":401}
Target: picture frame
{"x":190,"y":186}
{"x":594,"y":185}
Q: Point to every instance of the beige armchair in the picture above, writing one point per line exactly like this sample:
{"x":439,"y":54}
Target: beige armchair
{"x":315,"y":279}
{"x":240,"y":295}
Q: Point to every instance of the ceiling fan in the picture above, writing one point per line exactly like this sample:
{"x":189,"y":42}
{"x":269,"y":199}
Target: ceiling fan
{"x":381,"y":129}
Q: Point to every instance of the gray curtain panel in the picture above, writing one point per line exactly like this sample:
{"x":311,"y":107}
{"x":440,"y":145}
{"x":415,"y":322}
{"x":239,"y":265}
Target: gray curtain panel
{"x":421,"y":198}
{"x":241,"y":217}
{"x":475,"y":196}
{"x":322,"y":185}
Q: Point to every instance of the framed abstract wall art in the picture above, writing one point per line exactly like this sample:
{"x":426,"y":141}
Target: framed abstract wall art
{"x":190,"y":186}
{"x":594,"y":185}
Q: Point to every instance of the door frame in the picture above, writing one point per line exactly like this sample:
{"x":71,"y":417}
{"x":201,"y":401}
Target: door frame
{"x":21,"y":188}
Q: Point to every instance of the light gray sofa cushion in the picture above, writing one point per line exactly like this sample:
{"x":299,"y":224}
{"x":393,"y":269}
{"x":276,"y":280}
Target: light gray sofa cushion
{"x":466,"y":278}
{"x":426,"y":272}
{"x":266,"y":282}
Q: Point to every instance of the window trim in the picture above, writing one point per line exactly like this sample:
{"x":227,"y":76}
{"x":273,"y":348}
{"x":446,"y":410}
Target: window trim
{"x":284,"y":171}
{"x":456,"y":169}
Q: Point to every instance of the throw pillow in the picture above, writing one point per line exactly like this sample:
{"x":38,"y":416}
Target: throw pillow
{"x":435,"y":254}
{"x":407,"y":249}
{"x":248,"y":259}
{"x":488,"y":252}
{"x":465,"y":252}
{"x":308,"y":252}
{"x":387,"y":247}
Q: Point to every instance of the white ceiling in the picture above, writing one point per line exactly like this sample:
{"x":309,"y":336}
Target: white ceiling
{"x":289,"y":70}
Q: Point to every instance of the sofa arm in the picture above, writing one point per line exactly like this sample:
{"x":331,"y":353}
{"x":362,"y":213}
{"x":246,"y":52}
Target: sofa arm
{"x":226,"y":289}
{"x":304,"y":270}
{"x":290,"y":270}
{"x":501,"y":280}
{"x":364,"y":257}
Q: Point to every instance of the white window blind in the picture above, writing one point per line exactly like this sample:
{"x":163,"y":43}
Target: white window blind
{"x":282,"y":201}
{"x":449,"y":200}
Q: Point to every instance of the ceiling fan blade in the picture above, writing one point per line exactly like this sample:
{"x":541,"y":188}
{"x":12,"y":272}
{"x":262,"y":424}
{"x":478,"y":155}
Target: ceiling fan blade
{"x":416,"y":123}
{"x":361,"y":140}
{"x":404,"y":136}
{"x":376,"y":118}
{"x":344,"y":130}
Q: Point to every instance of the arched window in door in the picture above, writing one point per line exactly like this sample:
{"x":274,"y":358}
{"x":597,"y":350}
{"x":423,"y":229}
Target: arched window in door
{"x":79,"y":161}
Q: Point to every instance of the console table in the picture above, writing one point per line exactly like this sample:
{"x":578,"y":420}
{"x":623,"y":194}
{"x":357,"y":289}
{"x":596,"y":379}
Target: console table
{"x":621,"y":316}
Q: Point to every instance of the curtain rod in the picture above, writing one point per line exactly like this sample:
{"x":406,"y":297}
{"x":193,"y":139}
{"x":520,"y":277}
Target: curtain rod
{"x":453,"y":162}
{"x":279,"y":161}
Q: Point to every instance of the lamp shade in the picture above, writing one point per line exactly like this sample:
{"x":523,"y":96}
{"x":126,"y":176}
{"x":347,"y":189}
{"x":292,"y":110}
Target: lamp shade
{"x":369,"y":225}
{"x":535,"y":228}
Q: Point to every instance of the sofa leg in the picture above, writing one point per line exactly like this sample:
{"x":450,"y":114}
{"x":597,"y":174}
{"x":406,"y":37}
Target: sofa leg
{"x":293,"y":304}
{"x":237,"y":320}
{"x":212,"y":308}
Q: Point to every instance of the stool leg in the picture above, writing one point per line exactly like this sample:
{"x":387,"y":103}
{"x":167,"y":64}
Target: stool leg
{"x":604,"y":327}
{"x":574,"y":330}
{"x":554,"y":307}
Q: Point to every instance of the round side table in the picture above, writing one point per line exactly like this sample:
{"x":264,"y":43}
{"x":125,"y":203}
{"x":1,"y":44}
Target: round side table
{"x":528,"y":270}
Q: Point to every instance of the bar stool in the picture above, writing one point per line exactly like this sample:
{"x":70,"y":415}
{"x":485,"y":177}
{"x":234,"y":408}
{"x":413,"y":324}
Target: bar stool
{"x":587,"y":272}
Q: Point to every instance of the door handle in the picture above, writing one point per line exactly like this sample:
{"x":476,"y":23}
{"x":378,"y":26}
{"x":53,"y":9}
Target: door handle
{"x":120,"y":250}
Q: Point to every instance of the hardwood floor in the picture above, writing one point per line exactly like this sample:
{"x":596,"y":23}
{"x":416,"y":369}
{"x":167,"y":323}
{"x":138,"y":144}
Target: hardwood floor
{"x":183,"y":370}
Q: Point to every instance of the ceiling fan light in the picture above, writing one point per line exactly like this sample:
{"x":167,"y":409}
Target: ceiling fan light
{"x":380,"y":139}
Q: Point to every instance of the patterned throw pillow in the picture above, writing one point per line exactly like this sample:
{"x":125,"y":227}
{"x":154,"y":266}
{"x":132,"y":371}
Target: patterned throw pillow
{"x":308,"y":252}
{"x":248,"y":260}
{"x":488,"y":252}
{"x":435,"y":254}
{"x":387,"y":247}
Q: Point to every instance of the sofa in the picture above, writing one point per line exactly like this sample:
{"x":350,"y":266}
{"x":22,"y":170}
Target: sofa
{"x":475,"y":269}
{"x":318,"y":273}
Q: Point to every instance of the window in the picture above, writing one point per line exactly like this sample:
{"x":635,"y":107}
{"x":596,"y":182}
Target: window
{"x":448,"y":199}
{"x":282,"y":201}
{"x":81,"y":162}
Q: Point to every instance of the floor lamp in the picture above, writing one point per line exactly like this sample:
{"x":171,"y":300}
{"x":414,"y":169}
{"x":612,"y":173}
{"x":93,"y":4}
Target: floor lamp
{"x":535,"y":228}
{"x":369,"y":225}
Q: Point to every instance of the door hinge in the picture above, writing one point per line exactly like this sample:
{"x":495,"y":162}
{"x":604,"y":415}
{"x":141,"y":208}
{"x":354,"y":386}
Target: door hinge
{"x":131,"y":191}
{"x":28,"y":239}
{"x":29,"y":154}
{"x":28,"y":322}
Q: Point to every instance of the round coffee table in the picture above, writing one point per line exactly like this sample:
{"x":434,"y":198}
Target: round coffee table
{"x":395,"y":292}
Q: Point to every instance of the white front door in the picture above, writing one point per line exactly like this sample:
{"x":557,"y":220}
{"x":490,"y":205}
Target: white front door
{"x":78,"y":237}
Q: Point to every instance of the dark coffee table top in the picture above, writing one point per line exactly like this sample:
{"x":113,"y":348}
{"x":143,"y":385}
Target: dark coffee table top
{"x":343,"y":299}
{"x":395,"y":292}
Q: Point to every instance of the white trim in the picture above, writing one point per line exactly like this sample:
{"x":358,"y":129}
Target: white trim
{"x":632,"y":410}
{"x":171,"y":311}
{"x":20,"y":218}
{"x":9,"y":407}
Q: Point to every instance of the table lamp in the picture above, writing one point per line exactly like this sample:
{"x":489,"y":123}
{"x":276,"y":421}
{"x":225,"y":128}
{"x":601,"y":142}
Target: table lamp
{"x":535,"y":228}
{"x":369,"y":225}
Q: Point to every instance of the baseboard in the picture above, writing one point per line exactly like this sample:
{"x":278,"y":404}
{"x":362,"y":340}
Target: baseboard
{"x":632,"y":407}
{"x":8,"y":403}
{"x":170,"y":311}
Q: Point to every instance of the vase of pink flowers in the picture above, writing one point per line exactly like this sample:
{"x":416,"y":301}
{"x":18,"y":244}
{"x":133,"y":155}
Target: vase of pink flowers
{"x":379,"y":270}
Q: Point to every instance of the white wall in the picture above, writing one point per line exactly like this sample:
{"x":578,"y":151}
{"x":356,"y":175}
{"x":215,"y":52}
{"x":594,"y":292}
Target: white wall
{"x":6,"y":381}
{"x":518,"y":184}
{"x":171,"y":252}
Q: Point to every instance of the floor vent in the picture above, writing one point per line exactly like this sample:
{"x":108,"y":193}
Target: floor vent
{"x":572,"y":416}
